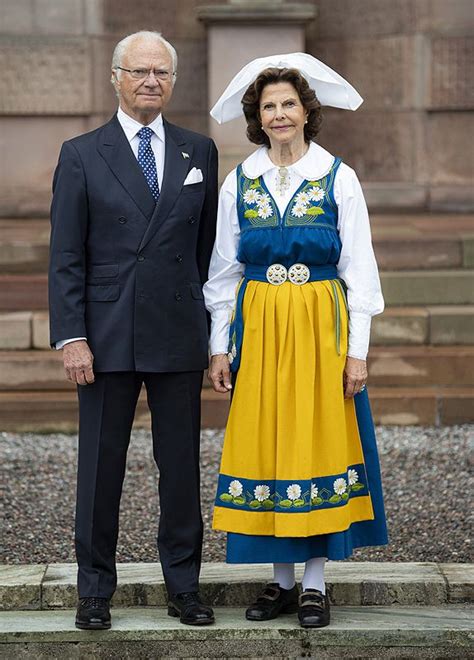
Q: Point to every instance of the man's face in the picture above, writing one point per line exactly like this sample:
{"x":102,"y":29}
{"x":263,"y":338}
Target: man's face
{"x":144,"y":99}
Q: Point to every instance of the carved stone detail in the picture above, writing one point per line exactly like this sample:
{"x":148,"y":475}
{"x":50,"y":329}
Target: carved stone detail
{"x":452,"y":73}
{"x":45,"y":76}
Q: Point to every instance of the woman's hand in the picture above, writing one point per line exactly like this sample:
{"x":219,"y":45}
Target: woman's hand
{"x":355,"y":376}
{"x":219,"y":373}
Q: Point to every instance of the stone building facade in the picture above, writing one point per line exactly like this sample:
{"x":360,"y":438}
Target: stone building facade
{"x":411,"y":60}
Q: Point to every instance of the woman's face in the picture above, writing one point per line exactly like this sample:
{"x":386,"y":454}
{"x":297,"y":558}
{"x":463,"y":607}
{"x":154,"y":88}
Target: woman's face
{"x":282,"y":114}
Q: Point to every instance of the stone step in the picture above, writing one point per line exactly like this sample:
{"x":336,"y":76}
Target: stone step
{"x":421,"y":224}
{"x":23,"y":292}
{"x":422,"y":241}
{"x":24,"y":246}
{"x":450,"y":287}
{"x":437,"y":325}
{"x":422,"y":406}
{"x":388,"y":366}
{"x":421,"y":365}
{"x":53,"y":586}
{"x":48,"y":411}
{"x":437,"y":287}
{"x":355,"y":632}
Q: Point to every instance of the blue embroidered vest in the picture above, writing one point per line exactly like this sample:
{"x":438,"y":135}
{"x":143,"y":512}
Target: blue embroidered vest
{"x":306,"y":233}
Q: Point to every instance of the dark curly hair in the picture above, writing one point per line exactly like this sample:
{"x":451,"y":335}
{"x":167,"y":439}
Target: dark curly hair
{"x":251,"y":103}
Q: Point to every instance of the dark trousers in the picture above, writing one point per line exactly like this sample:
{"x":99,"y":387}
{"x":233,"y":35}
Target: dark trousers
{"x":106,"y":412}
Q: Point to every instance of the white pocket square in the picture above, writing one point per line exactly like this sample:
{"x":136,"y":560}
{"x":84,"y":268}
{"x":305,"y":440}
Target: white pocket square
{"x":194,"y":176}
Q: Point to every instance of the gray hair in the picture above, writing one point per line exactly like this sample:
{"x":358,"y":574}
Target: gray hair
{"x":122,"y":46}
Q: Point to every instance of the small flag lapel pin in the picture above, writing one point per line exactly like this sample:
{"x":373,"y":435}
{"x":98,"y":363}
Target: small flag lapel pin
{"x":185,"y":155}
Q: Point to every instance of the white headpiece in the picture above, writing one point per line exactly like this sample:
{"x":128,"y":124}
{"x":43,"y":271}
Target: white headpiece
{"x":330,"y":87}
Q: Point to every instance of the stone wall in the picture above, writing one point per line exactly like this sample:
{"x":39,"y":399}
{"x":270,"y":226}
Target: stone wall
{"x":413,"y":62}
{"x":410,"y":59}
{"x":54,"y":81}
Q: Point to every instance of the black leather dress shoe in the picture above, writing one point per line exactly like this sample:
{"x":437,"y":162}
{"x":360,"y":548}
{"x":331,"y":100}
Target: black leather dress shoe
{"x":273,"y":600}
{"x":313,"y":611}
{"x":93,"y":614}
{"x":190,"y":609}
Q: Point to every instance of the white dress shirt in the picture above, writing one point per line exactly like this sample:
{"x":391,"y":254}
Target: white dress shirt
{"x":357,"y":265}
{"x":131,"y":127}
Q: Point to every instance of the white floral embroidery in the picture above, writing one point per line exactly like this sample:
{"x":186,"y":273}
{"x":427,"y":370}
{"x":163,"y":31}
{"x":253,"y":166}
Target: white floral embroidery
{"x":293,"y":492}
{"x":263,"y":199}
{"x":230,"y":357}
{"x":340,"y":486}
{"x":314,"y":491}
{"x":235,"y":488}
{"x":261,"y":492}
{"x":299,"y":210}
{"x":352,"y":477}
{"x":251,"y":196}
{"x":264,"y":211}
{"x":316,"y":194}
{"x":234,"y":350}
{"x":302,"y":198}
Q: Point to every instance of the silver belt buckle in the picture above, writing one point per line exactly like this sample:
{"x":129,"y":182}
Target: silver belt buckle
{"x":276,"y":274}
{"x":298,"y":274}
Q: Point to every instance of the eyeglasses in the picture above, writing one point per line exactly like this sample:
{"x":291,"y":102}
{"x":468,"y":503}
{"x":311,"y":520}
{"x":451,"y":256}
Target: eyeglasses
{"x":141,"y":74}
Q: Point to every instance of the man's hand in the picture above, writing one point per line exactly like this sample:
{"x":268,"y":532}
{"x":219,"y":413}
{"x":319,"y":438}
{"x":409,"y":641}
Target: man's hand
{"x":219,"y":373}
{"x":355,"y":376}
{"x":78,"y":361}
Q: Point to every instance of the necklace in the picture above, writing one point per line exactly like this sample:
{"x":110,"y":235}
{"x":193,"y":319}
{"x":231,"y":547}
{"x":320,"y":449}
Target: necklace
{"x":282,"y":180}
{"x":283,"y":177}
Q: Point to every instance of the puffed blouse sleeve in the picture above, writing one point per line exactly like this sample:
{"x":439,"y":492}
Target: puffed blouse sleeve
{"x":225,"y":271}
{"x":357,"y":265}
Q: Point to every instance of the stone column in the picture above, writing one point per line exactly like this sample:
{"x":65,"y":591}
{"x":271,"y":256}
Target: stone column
{"x":238,"y":32}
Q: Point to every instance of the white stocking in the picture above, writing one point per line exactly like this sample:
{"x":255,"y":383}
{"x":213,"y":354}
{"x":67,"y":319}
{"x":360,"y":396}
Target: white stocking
{"x":284,"y":575}
{"x":313,"y":577}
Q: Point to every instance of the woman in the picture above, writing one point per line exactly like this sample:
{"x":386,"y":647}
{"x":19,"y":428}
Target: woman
{"x":299,"y":478}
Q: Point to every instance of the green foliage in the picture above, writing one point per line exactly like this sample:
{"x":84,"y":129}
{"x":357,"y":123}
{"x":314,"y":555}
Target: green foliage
{"x":251,"y":213}
{"x":315,"y":210}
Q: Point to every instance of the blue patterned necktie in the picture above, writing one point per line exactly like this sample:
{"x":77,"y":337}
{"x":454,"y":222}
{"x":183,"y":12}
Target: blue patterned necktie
{"x":146,"y":160}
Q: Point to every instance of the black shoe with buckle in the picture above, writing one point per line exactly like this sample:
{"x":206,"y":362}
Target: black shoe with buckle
{"x":190,"y":609}
{"x":313,"y":611}
{"x":93,"y":613}
{"x":273,"y":600}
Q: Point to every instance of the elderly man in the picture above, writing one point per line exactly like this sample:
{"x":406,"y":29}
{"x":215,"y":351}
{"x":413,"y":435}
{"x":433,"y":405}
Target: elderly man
{"x":133,"y":224}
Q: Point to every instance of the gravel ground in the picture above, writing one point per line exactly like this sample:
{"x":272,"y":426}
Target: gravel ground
{"x":426,"y":481}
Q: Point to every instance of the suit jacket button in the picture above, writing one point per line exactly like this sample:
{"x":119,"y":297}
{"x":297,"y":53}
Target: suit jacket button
{"x":141,"y":257}
{"x":179,"y":258}
{"x":122,"y":220}
{"x":178,"y":296}
{"x":191,"y":219}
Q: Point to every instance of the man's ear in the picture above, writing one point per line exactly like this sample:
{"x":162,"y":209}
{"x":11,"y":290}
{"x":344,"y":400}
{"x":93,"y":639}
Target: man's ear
{"x":114,"y":79}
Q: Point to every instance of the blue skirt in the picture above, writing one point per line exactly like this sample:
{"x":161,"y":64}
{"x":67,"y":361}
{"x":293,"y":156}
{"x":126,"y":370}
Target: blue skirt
{"x":247,"y":549}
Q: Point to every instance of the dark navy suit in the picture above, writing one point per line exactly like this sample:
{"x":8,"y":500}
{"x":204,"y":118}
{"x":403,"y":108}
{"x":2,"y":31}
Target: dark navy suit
{"x":127,"y":273}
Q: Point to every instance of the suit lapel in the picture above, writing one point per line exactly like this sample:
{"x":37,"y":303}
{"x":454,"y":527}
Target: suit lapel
{"x":175,"y":171}
{"x":116,"y":151}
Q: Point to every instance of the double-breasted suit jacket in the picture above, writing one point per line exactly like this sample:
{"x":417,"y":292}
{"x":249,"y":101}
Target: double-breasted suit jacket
{"x":126,"y":272}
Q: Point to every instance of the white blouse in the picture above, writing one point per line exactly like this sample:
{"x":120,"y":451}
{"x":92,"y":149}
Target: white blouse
{"x":357,"y":265}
